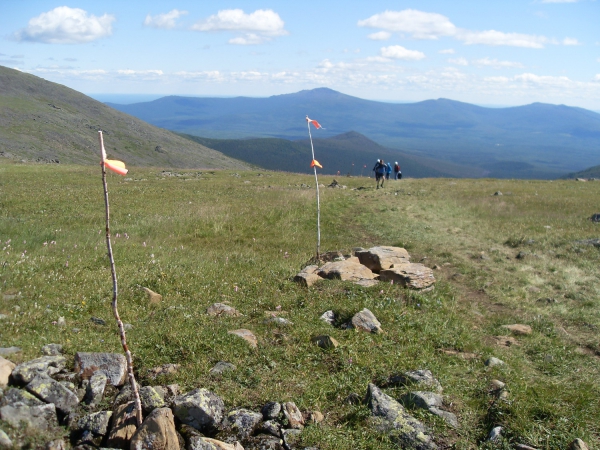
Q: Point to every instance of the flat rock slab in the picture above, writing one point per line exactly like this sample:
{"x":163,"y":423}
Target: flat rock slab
{"x":6,"y":351}
{"x":422,"y":378}
{"x":346,"y":271}
{"x":246,"y":335}
{"x":40,"y":417}
{"x":383,"y":257}
{"x":518,"y":329}
{"x":113,"y":365}
{"x":412,"y":275}
{"x":222,"y":309}
{"x":46,"y":365}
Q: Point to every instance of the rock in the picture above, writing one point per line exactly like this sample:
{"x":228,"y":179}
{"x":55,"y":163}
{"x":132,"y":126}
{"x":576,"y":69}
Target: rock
{"x":291,"y":437}
{"x":447,"y":416}
{"x":271,"y":410}
{"x":52,"y":349}
{"x":383,"y":257}
{"x":518,"y":329}
{"x":7,"y":351}
{"x":412,"y":275}
{"x":221,"y":309}
{"x":157,"y":432}
{"x":94,"y":391}
{"x":61,"y":322}
{"x":40,"y":417}
{"x":271,"y":427}
{"x":200,"y":409}
{"x":328,"y":317}
{"x":422,"y":399}
{"x":595,"y":218}
{"x":495,"y":434}
{"x":6,"y":368}
{"x":5,"y":441}
{"x":325,"y":341}
{"x":152,"y":397}
{"x":153,"y":297}
{"x":97,"y":423}
{"x":98,"y":320}
{"x":308,"y":276}
{"x":165,"y":369}
{"x":222,"y":366}
{"x":113,"y":365}
{"x":497,"y":385}
{"x":497,"y":193}
{"x":422,"y":378}
{"x":124,"y":425}
{"x":46,"y":365}
{"x":366,"y":283}
{"x":365,"y":320}
{"x":264,"y":442}
{"x":204,"y":443}
{"x":14,"y":395}
{"x":390,"y":417}
{"x":247,"y":335}
{"x":276,"y":320}
{"x":505,"y":341}
{"x":459,"y":354}
{"x":581,"y":179}
{"x":51,"y":391}
{"x":346,"y":271}
{"x":293,"y":415}
{"x":57,"y":444}
{"x":242,"y":422}
{"x":492,"y":361}
{"x":577,"y":444}
{"x":316,"y":417}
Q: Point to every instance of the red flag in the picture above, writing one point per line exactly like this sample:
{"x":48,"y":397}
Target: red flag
{"x":314,"y":122}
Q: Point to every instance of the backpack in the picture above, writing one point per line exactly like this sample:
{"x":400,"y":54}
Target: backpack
{"x":396,"y":168}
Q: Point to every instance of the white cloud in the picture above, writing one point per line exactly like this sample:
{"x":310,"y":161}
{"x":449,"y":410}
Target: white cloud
{"x":570,"y":41}
{"x":380,"y":36}
{"x":487,"y":62}
{"x":419,"y":24}
{"x":257,"y":27}
{"x":447,"y":51}
{"x":165,"y":21}
{"x":399,"y":52}
{"x":459,"y":61}
{"x":597,"y":77}
{"x":424,"y":25}
{"x":493,"y":37}
{"x":64,"y":25}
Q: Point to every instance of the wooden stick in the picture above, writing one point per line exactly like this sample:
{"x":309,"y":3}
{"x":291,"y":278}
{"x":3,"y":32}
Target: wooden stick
{"x":318,"y":202}
{"x":134,"y":388}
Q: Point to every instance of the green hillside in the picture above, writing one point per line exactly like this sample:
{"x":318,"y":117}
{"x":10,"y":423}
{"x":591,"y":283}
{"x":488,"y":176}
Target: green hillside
{"x":591,"y":172}
{"x":44,"y":121}
{"x":349,"y":153}
{"x":552,"y":139}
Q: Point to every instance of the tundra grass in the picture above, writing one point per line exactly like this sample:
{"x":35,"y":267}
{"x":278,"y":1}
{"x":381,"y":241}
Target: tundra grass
{"x":201,"y":237}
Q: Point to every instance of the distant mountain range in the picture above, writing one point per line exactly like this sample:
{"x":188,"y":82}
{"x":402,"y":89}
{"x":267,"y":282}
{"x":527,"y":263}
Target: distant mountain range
{"x":532,"y":141}
{"x":44,"y":121}
{"x":347,"y":154}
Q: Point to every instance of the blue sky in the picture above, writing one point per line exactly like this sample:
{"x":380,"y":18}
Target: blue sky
{"x":485,"y":52}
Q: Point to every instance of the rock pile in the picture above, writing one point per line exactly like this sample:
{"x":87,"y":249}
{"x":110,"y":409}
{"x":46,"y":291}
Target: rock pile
{"x":95,"y":403}
{"x":368,"y":267}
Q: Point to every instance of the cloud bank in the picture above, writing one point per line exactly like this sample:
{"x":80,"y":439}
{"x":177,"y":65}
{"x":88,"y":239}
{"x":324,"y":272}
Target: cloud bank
{"x":165,"y":21}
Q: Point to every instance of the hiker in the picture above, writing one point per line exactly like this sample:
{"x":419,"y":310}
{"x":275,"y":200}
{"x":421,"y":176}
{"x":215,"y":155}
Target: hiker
{"x":388,"y":171}
{"x":379,"y":170}
{"x":397,"y":171}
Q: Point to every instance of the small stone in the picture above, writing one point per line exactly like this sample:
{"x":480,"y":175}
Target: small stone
{"x":7,"y":351}
{"x":97,"y":423}
{"x":497,"y":193}
{"x":6,"y":368}
{"x":271,"y":410}
{"x":293,"y":415}
{"x":52,"y":349}
{"x":98,"y":320}
{"x":61,"y":322}
{"x":495,"y":434}
{"x":278,"y":321}
{"x":492,"y":361}
{"x":242,"y":422}
{"x":316,"y":417}
{"x":422,"y":378}
{"x":153,"y":297}
{"x":497,"y":385}
{"x":152,"y":398}
{"x":271,"y":427}
{"x":221,"y":309}
{"x":447,"y":416}
{"x":365,"y":320}
{"x":200,"y":408}
{"x":221,"y":367}
{"x":325,"y":341}
{"x":328,"y":317}
{"x":577,"y":444}
{"x":94,"y":391}
{"x":247,"y":335}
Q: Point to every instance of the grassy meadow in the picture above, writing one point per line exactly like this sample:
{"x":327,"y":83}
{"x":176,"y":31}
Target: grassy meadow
{"x":201,"y":237}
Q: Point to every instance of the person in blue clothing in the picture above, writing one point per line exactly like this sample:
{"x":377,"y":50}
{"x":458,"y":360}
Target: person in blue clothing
{"x":379,"y":170}
{"x":388,"y":171}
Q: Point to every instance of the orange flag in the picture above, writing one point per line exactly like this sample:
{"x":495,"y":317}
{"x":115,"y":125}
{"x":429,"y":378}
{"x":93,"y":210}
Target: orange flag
{"x":315,"y":163}
{"x":112,"y":164}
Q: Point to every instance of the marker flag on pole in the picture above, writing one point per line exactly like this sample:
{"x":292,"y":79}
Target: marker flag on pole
{"x":315,"y":163}
{"x":315,"y":123}
{"x":112,"y":164}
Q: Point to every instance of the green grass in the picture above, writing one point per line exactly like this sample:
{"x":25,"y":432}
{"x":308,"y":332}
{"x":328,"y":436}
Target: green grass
{"x":195,"y":238}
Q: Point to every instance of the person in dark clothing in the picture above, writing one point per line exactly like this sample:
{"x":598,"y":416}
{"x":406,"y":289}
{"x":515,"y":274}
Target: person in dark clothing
{"x":397,"y":171}
{"x":379,"y":170}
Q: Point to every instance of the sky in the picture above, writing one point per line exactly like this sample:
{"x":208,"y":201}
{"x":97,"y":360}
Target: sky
{"x":497,"y":53}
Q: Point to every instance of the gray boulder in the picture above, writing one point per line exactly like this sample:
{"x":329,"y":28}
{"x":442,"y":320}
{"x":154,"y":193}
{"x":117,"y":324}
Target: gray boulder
{"x":96,"y":423}
{"x":365,"y":320}
{"x":152,"y":397}
{"x":40,"y":417}
{"x":271,"y":410}
{"x":242,"y":423}
{"x":52,"y":349}
{"x":391,"y":418}
{"x":46,"y":365}
{"x":14,"y":395}
{"x":222,"y":366}
{"x":113,"y":365}
{"x":201,"y":409}
{"x":411,"y":275}
{"x":94,"y":391}
{"x":51,"y":391}
{"x":157,"y":432}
